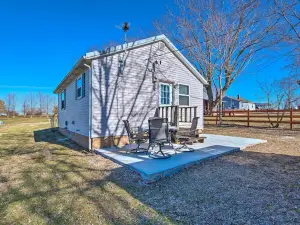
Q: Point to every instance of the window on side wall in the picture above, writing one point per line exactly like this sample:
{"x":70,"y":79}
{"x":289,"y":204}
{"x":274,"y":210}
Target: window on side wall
{"x":80,"y":86}
{"x":165,"y":94}
{"x":63,"y":99}
{"x":184,"y":95}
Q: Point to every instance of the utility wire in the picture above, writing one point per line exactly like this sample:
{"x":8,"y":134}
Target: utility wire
{"x":278,"y":58}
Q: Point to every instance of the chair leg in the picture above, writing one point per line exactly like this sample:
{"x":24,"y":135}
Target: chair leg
{"x":184,"y":146}
{"x":170,"y":143}
{"x":161,"y":150}
{"x":148,"y":150}
{"x":156,"y":154}
{"x":136,"y":150}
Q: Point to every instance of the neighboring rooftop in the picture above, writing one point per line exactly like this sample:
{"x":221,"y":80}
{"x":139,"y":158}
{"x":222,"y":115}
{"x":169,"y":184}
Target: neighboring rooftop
{"x":261,"y":104}
{"x":238,"y":98}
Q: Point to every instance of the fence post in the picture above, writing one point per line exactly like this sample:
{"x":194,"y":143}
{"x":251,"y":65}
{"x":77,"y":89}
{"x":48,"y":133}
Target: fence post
{"x":248,"y":118}
{"x":291,"y":118}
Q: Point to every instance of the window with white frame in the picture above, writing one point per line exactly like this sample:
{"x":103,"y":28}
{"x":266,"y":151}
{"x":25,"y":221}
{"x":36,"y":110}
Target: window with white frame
{"x":165,"y":94}
{"x":184,"y":95}
{"x":80,"y":86}
{"x":63,"y":99}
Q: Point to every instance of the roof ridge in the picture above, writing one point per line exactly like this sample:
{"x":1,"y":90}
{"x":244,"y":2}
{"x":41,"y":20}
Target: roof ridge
{"x":89,"y":56}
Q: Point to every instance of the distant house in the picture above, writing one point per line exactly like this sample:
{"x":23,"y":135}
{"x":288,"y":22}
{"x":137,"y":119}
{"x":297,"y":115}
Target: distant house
{"x":259,"y":105}
{"x":205,"y":101}
{"x":237,"y":103}
{"x":125,"y":82}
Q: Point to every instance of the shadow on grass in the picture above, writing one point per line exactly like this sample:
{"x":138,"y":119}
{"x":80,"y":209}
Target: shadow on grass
{"x":53,"y":136}
{"x":67,"y":187}
{"x":70,"y":187}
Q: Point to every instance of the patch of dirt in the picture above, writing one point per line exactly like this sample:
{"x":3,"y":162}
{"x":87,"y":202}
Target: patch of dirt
{"x":259,"y":185}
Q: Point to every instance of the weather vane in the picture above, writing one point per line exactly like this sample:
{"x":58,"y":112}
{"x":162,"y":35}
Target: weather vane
{"x":125,"y":27}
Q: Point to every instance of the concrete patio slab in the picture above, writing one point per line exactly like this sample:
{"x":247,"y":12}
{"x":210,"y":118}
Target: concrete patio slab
{"x":155,"y":169}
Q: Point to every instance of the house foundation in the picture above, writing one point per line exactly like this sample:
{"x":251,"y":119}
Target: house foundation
{"x":98,"y":142}
{"x":78,"y":138}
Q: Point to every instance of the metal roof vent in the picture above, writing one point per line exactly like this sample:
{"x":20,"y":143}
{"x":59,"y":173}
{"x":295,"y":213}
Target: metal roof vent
{"x":161,"y":46}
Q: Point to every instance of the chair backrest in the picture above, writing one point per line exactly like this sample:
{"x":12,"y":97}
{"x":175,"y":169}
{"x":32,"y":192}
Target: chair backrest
{"x":158,"y":130}
{"x":128,"y":129}
{"x":194,"y":126}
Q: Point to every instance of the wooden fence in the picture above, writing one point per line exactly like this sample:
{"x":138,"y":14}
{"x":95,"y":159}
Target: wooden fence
{"x":287,"y":116}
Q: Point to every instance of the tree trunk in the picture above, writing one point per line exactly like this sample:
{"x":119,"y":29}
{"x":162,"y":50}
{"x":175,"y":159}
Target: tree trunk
{"x":220,"y":101}
{"x":210,"y":96}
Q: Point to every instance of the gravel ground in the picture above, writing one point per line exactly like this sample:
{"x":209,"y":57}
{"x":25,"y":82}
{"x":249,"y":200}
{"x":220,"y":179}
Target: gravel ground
{"x":260,"y":185}
{"x":44,"y":182}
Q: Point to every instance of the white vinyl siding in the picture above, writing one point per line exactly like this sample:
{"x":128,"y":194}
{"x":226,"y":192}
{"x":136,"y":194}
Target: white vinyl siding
{"x":133,"y":95}
{"x":76,"y":112}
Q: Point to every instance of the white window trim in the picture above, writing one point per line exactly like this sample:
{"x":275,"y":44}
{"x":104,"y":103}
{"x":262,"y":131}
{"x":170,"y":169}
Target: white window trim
{"x":189,"y":95}
{"x":171,"y":94}
{"x":79,"y":97}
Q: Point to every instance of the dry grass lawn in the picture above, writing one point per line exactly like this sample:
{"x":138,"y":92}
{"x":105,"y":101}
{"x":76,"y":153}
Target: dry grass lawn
{"x":44,"y":181}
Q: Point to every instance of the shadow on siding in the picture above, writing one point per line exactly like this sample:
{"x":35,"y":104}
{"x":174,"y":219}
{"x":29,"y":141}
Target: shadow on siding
{"x":118,"y":98}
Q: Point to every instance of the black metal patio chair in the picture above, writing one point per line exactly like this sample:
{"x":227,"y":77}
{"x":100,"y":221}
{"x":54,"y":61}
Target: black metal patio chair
{"x":189,"y":137}
{"x":159,"y":136}
{"x":137,"y":137}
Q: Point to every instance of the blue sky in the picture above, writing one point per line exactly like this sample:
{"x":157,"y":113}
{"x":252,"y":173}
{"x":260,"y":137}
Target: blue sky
{"x":41,"y":40}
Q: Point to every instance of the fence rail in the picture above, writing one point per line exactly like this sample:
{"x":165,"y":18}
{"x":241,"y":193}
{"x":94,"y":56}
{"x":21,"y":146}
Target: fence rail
{"x":176,"y":114}
{"x":286,"y":116}
{"x":170,"y":112}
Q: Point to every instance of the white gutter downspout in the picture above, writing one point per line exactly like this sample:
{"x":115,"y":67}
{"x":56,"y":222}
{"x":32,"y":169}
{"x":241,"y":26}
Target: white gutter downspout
{"x":90,"y":105}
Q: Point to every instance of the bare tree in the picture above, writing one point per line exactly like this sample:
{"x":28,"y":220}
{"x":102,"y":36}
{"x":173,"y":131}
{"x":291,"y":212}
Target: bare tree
{"x":280,"y":94}
{"x":49,"y":102}
{"x":55,"y":106}
{"x":55,"y":109}
{"x":8,"y":104}
{"x":41,"y":103}
{"x":290,"y":88}
{"x":2,"y":107}
{"x":274,"y":95}
{"x":11,"y":105}
{"x":220,"y":39}
{"x":287,"y":11}
{"x":25,"y":106}
{"x":32,"y":103}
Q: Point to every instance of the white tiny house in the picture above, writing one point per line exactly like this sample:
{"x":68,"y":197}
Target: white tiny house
{"x":129,"y":81}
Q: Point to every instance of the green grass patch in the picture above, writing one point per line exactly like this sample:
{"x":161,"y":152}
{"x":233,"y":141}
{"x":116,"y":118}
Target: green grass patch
{"x":21,"y":119}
